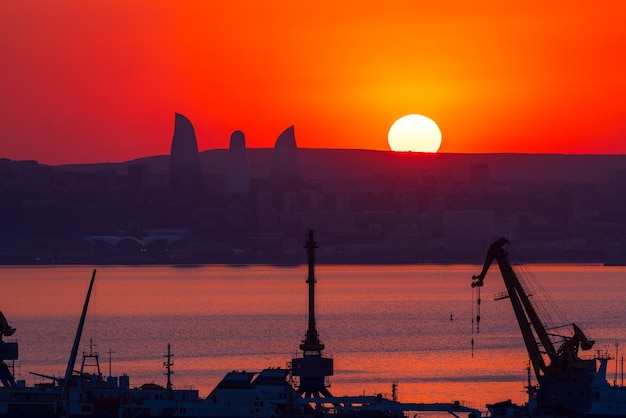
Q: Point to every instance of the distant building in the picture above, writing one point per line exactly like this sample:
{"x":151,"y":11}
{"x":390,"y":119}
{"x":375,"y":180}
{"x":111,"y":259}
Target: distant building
{"x":138,"y":177}
{"x":185,"y":170}
{"x":155,"y":246}
{"x":106,"y":179}
{"x":470,"y":223}
{"x":468,"y":232}
{"x":480,"y":174}
{"x":237,"y":172}
{"x":285,"y":174}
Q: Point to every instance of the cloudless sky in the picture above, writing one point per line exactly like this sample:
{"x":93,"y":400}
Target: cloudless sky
{"x":95,"y":81}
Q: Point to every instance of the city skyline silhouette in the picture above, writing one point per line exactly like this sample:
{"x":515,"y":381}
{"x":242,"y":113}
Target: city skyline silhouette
{"x":246,"y":205}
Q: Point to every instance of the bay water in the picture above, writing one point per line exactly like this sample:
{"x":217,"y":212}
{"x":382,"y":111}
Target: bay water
{"x":410,"y":324}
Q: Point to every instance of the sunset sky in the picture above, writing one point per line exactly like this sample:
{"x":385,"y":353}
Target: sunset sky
{"x":95,"y":81}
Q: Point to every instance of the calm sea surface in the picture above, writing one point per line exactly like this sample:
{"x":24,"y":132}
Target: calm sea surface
{"x":380,"y":323}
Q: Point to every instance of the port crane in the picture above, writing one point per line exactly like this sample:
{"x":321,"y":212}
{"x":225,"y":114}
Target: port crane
{"x":312,"y":368}
{"x":535,"y":334}
{"x":567,"y":384}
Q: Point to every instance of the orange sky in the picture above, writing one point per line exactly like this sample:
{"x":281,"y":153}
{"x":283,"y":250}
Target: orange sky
{"x":93,"y":81}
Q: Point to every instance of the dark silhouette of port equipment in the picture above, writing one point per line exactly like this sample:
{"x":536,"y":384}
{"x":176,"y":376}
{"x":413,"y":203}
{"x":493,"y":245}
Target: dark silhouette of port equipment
{"x":8,"y":351}
{"x":568,"y":385}
{"x":312,"y":368}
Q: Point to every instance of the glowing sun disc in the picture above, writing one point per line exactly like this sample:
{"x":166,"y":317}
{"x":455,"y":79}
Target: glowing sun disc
{"x":415,"y":133}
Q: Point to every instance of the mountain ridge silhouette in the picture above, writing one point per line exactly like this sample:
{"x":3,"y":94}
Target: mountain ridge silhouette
{"x":356,"y":164}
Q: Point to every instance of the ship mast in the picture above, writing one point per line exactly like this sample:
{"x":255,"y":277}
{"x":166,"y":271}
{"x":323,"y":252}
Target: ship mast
{"x":312,"y":368}
{"x":92,"y":361}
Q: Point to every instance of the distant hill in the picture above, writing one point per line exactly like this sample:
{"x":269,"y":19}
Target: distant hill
{"x":351,"y":164}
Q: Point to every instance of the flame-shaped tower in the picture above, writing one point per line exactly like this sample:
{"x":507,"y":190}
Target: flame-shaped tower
{"x":312,"y":368}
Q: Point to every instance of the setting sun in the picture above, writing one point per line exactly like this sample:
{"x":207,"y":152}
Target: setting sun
{"x":415,"y":133}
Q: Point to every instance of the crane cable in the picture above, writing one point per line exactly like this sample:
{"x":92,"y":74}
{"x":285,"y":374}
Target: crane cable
{"x":478,"y":310}
{"x":477,"y":314}
{"x":472,"y":303}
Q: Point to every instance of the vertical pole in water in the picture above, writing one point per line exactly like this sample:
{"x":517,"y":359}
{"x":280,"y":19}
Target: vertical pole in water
{"x":74,"y":353}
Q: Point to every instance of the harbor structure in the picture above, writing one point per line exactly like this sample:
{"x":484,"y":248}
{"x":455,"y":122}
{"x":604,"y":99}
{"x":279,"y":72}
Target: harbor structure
{"x":312,"y":368}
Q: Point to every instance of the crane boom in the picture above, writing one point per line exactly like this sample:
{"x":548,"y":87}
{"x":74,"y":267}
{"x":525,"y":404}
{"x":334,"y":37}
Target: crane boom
{"x":568,"y":385}
{"x":534,"y":332}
